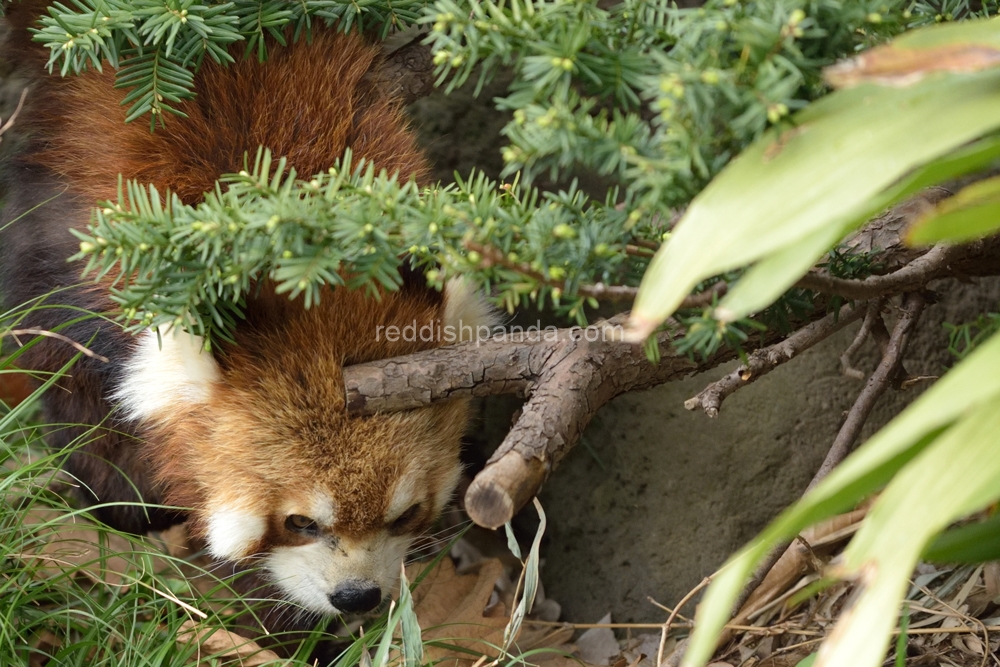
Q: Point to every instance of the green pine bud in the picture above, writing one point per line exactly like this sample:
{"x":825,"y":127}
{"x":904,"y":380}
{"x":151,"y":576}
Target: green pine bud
{"x":564,"y":231}
{"x":776,"y":112}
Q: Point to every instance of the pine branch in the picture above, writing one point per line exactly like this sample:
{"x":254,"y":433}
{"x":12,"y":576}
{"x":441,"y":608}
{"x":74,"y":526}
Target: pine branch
{"x":179,"y":264}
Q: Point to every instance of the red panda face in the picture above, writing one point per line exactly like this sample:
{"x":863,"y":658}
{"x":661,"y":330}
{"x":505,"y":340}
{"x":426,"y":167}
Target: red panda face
{"x":256,"y":440}
{"x":328,"y":512}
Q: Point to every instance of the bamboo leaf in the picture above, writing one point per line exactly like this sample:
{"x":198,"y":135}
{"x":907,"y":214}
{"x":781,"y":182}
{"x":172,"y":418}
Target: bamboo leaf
{"x":971,"y":214}
{"x":413,"y":647}
{"x":970,"y":385}
{"x":957,"y":474}
{"x":976,"y":542}
{"x":829,"y":172}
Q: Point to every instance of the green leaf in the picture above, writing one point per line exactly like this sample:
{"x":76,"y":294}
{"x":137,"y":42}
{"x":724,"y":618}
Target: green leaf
{"x":970,"y":385}
{"x":901,"y":640}
{"x":768,"y":279}
{"x":977,"y":542}
{"x":772,"y":276}
{"x":530,"y":578}
{"x":412,"y":645}
{"x":957,"y":474}
{"x":381,"y":658}
{"x":826,"y":173}
{"x":971,"y":214}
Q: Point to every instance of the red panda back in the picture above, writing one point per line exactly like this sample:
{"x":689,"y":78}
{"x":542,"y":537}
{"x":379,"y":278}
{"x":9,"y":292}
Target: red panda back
{"x":308,"y":102}
{"x":252,"y":440}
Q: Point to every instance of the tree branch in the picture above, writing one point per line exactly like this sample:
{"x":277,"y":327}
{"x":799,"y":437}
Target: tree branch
{"x":763,"y":361}
{"x":600,"y":291}
{"x":567,"y":378}
{"x":881,"y":379}
{"x":915,"y":275}
{"x":408,"y":71}
{"x":885,"y":375}
{"x":847,"y":358}
{"x":494,"y":256}
{"x":568,"y":374}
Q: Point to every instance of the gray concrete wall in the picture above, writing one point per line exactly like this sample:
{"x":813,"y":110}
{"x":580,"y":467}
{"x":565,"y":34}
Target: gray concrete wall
{"x":658,"y":497}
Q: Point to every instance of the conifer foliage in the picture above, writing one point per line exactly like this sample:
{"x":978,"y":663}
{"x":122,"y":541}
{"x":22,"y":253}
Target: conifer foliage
{"x":654,"y":98}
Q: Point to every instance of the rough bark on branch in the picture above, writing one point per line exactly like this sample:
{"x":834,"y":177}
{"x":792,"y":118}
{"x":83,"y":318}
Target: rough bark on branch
{"x":567,"y":378}
{"x":766,"y":359}
{"x":568,"y":374}
{"x":409,"y":70}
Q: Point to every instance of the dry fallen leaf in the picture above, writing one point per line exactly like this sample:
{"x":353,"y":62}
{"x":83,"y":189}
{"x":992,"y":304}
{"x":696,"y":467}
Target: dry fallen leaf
{"x":461,"y":612}
{"x":453,"y":610}
{"x":220,"y":643}
{"x":598,"y":646}
{"x":74,"y":542}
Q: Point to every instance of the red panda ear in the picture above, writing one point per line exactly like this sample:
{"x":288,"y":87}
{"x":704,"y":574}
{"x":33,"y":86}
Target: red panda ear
{"x":167,"y":371}
{"x":467,"y":311}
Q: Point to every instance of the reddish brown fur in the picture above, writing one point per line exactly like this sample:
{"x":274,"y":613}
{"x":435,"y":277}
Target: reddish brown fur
{"x":279,"y":414}
{"x":308,"y":102}
{"x":278,"y":418}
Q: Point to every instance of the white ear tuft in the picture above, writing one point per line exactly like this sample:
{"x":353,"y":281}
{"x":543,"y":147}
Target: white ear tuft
{"x":158,"y":380}
{"x":467,"y":311}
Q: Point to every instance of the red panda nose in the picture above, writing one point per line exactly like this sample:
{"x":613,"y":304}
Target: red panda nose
{"x":356,"y":596}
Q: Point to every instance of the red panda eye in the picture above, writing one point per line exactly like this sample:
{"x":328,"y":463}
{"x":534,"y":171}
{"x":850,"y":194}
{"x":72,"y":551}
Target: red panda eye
{"x":403,"y":519}
{"x":300,"y":524}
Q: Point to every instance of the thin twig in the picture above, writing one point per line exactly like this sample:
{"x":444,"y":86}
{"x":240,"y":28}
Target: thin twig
{"x":673,"y":615}
{"x":913,"y":276}
{"x":494,"y":256}
{"x":887,"y":371}
{"x":759,"y":629}
{"x":14,"y":333}
{"x":880,"y":380}
{"x":965,"y":617}
{"x":666,"y":609}
{"x":10,"y":121}
{"x":639,"y":251}
{"x":648,"y":245}
{"x":846,"y":359}
{"x":763,"y":361}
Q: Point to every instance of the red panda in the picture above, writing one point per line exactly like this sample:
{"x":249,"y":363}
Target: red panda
{"x":253,"y":438}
